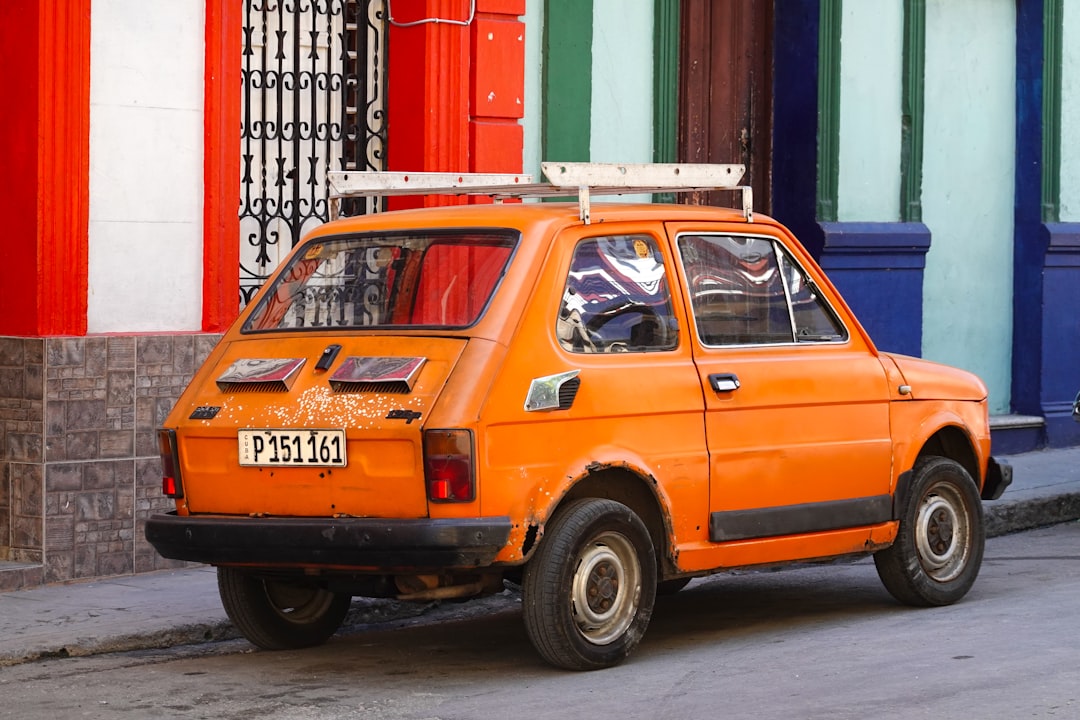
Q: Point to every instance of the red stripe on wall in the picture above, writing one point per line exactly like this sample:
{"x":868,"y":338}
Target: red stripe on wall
{"x":45,"y":140}
{"x":221,"y":165}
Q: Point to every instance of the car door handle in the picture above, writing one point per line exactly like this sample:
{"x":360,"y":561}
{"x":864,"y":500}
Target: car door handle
{"x":724,"y":382}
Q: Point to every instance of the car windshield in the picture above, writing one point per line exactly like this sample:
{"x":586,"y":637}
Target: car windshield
{"x":440,"y":280}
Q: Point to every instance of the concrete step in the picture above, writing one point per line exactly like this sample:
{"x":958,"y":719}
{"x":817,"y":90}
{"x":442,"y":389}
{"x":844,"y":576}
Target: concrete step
{"x":19,"y":576}
{"x":1012,"y":434}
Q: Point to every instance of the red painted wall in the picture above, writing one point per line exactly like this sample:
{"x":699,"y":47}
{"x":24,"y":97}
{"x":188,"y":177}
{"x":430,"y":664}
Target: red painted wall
{"x":44,"y":146}
{"x":455,"y":94}
{"x":221,"y":165}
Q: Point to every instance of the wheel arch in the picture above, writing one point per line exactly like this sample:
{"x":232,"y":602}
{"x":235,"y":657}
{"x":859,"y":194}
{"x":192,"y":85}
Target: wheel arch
{"x":953,"y":442}
{"x":636,"y":490}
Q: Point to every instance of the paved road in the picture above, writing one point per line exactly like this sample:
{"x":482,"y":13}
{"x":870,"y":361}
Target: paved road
{"x":819,"y":642}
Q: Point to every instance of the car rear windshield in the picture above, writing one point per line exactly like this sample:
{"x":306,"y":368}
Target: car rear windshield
{"x":442,"y":280}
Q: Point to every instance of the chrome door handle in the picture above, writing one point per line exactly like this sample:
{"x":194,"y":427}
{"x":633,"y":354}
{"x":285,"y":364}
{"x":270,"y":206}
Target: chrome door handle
{"x":724,"y":382}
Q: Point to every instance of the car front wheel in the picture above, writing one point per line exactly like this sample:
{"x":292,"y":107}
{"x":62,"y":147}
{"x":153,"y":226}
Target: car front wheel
{"x":277,"y":615}
{"x":939,"y":548}
{"x":588,"y":592}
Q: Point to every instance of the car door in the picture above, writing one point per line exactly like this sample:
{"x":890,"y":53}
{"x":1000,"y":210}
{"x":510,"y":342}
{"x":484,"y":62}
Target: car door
{"x":797,"y":403}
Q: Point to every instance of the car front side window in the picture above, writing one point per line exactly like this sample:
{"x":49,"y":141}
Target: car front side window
{"x":748,"y":291}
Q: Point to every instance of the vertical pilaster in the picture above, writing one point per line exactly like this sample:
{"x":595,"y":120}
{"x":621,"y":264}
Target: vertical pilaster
{"x":829,"y":110}
{"x":911,"y":130}
{"x":428,"y":90}
{"x":497,"y":86}
{"x":221,"y":164}
{"x":45,"y":140}
{"x":567,"y":80}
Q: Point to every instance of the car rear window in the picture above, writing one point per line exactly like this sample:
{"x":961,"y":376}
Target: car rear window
{"x":440,"y":280}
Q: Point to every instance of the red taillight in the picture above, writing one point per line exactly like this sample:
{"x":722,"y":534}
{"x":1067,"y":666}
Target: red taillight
{"x":448,"y":466}
{"x":170,"y":468}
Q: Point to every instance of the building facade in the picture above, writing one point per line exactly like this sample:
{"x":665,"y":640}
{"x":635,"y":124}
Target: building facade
{"x":162,"y":159}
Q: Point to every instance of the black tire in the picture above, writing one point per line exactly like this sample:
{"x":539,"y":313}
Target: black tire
{"x":670,"y":587}
{"x":277,"y":615}
{"x":589,"y":590}
{"x":939,"y":548}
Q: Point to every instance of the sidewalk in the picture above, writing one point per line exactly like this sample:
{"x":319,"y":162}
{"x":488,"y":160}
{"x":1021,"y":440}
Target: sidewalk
{"x":181,"y":607}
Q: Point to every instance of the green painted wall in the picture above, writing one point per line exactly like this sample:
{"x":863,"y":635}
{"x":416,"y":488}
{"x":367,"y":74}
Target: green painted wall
{"x":566,"y":83}
{"x":968,"y":184}
{"x":1070,"y":113}
{"x":871,"y":55}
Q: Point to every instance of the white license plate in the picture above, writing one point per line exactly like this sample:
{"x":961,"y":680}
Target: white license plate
{"x":300,"y":447}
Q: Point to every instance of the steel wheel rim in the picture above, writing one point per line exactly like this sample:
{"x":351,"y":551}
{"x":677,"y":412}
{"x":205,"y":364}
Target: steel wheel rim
{"x":298,"y":605}
{"x":943,"y":533}
{"x":606,"y":588}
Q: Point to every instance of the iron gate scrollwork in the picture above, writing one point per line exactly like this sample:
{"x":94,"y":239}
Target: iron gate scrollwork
{"x":313,"y":99}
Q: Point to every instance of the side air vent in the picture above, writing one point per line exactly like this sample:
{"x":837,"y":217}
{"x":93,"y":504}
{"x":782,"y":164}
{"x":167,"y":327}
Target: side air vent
{"x":553,"y":392}
{"x":377,"y":374}
{"x":567,"y":393}
{"x":260,"y":375}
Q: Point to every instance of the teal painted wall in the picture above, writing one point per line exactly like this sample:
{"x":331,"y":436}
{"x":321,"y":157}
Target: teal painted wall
{"x":622,"y":81}
{"x":1070,"y":113}
{"x":620,"y":75}
{"x":968,"y":188}
{"x":871,"y":55}
{"x":532,"y":121}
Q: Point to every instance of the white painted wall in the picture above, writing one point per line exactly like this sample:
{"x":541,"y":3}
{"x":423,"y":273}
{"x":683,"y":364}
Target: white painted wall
{"x":871,"y":75}
{"x":1070,"y":113}
{"x":968,"y":187}
{"x":622,"y":85}
{"x":146,"y":160}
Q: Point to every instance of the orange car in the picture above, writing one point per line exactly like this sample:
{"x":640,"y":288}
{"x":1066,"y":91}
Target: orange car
{"x":598,"y":402}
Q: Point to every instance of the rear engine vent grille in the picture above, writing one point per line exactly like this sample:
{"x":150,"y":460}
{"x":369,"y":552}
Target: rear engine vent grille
{"x":395,"y":375}
{"x":387,"y":388}
{"x":260,"y":375}
{"x":263,"y":387}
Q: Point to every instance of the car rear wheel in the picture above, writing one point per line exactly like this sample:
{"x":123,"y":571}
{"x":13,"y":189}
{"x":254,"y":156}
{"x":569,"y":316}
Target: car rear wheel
{"x":588,"y":592}
{"x":278,"y":615}
{"x":939,"y":548}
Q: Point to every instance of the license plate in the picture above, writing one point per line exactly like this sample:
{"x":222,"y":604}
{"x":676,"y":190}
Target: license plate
{"x":301,"y":447}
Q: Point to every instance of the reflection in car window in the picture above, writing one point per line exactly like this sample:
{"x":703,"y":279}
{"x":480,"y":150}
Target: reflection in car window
{"x":617,"y":298}
{"x":747,"y":291}
{"x":432,"y":280}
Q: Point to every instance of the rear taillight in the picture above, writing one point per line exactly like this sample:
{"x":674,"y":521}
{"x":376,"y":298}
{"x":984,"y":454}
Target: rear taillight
{"x":171,"y":483}
{"x":448,"y":466}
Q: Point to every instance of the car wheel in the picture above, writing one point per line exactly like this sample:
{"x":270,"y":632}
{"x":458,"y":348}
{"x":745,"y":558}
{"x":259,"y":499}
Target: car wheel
{"x":588,"y":592}
{"x":939,"y":548}
{"x":277,"y":615}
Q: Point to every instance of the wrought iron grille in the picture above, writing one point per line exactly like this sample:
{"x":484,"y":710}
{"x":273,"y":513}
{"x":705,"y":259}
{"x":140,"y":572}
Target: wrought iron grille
{"x":313,"y":99}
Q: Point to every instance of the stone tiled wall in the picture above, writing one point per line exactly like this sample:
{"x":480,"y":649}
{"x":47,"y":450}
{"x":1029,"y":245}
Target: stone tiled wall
{"x":79,"y":468}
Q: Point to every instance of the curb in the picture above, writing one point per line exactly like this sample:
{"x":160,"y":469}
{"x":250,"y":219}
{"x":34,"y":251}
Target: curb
{"x":196,"y":634}
{"x":1020,"y":515}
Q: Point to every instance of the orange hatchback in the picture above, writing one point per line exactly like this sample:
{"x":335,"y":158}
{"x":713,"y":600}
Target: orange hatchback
{"x":596,"y":402}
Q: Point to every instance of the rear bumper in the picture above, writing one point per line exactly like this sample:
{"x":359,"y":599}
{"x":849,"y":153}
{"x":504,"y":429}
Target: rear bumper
{"x":361,"y":543}
{"x":999,"y":475}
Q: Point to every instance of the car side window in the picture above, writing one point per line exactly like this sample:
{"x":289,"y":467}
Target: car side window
{"x":617,"y":298}
{"x":748,"y":291}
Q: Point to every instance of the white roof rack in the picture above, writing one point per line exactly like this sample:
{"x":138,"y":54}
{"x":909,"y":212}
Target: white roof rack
{"x":579,"y":179}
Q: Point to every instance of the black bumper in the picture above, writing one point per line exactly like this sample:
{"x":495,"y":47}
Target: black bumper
{"x":999,"y":475}
{"x":361,"y":543}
